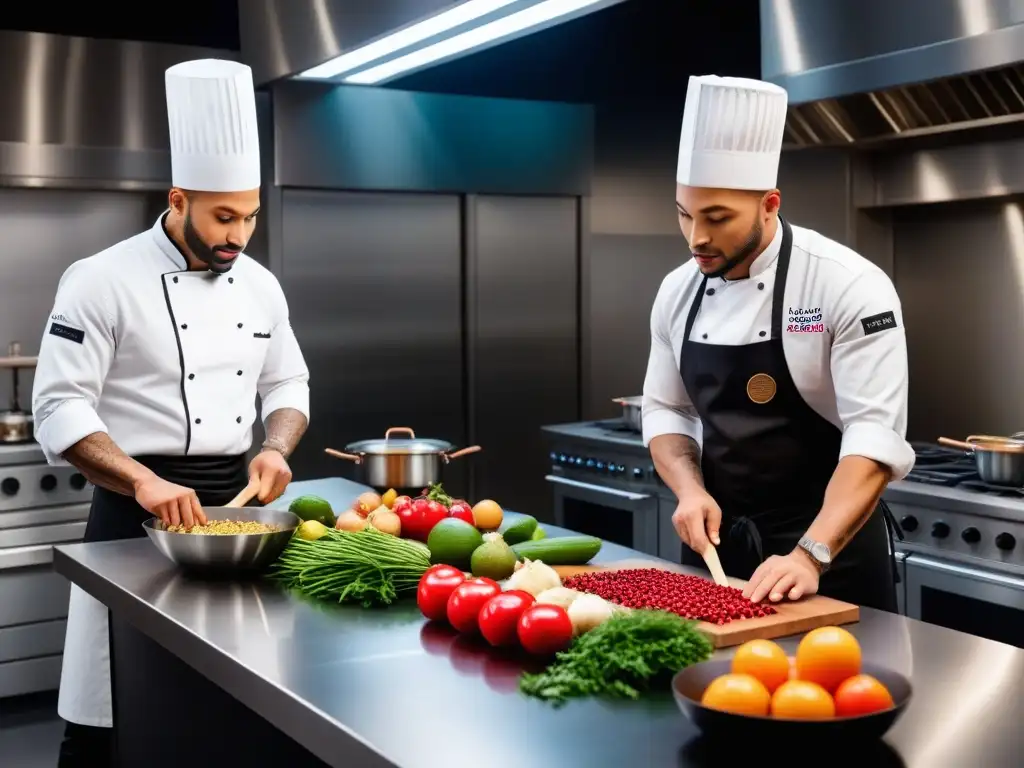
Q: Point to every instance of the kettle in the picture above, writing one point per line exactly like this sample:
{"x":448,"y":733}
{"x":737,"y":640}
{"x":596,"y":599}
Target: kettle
{"x":16,"y":424}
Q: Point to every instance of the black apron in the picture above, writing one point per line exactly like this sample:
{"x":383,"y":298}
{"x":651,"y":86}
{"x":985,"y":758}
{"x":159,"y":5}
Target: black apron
{"x":768,"y":458}
{"x":215,"y":479}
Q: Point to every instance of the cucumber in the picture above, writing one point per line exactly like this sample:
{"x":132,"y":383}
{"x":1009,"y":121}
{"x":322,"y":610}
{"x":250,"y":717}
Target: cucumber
{"x":520,"y":530}
{"x":562,"y":550}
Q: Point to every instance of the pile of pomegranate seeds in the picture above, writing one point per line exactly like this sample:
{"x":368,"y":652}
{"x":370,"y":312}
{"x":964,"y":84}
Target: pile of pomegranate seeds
{"x":688,"y":596}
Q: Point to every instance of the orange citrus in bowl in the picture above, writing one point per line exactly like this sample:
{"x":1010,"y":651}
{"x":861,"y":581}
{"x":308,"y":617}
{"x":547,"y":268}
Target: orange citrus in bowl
{"x":763,"y":660}
{"x":802,"y":700}
{"x":740,"y":694}
{"x":828,"y":656}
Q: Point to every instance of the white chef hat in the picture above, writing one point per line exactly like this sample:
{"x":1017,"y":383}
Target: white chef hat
{"x":732,"y":133}
{"x":211,"y":113}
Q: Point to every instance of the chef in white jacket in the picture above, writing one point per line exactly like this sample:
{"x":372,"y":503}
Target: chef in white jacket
{"x":151,"y":361}
{"x":775,"y":402}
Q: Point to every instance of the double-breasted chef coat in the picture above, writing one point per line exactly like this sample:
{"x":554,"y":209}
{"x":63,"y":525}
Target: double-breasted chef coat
{"x":168,"y":362}
{"x":778,"y":376}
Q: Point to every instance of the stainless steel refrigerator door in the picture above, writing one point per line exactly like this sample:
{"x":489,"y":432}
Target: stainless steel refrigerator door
{"x":523,"y":347}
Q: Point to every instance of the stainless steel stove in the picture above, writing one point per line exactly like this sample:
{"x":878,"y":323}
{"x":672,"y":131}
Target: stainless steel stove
{"x":963,"y":546}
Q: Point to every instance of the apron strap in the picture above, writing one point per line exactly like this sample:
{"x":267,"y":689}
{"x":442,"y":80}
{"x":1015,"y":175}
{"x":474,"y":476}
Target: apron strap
{"x":782,"y":270}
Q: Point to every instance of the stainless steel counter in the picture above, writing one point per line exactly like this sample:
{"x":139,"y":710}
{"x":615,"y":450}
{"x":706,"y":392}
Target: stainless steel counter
{"x":360,"y":687}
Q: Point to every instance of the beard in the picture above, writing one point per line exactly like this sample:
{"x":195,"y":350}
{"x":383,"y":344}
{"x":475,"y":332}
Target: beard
{"x":209,"y":254}
{"x":746,"y":249}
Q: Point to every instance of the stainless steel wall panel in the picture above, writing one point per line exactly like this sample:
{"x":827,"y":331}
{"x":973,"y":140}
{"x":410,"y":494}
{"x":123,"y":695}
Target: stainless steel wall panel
{"x":523,"y":304}
{"x":374,"y":286}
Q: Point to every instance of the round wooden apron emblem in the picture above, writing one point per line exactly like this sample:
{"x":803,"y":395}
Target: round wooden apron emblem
{"x":761,"y":388}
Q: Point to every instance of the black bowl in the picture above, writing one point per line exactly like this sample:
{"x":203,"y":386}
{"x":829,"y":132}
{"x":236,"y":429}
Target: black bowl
{"x":689,"y":684}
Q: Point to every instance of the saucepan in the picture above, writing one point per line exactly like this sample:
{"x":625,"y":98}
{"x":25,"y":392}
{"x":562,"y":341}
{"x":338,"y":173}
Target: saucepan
{"x":401,"y":462}
{"x":1000,"y":460}
{"x":632,"y":411}
{"x":234,"y":554}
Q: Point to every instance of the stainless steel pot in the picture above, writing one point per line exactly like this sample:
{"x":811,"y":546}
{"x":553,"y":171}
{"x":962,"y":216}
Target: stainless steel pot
{"x":1000,"y":460}
{"x":401,"y":463}
{"x":15,"y":424}
{"x":631,"y":411}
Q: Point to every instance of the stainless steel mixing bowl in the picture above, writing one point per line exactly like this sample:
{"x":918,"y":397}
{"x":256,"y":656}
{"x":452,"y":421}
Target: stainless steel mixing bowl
{"x":232,"y":554}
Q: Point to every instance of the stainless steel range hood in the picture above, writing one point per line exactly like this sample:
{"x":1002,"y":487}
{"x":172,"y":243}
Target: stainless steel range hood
{"x":870,"y":71}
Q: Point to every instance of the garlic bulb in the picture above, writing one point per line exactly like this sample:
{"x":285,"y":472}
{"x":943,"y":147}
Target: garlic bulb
{"x":589,"y":611}
{"x":560,"y":596}
{"x":534,"y":577}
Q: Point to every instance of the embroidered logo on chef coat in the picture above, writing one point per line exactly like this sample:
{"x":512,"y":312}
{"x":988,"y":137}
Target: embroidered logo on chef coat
{"x":761,"y":388}
{"x":62,"y":331}
{"x":809,"y":320}
{"x":261,"y":335}
{"x":878,"y":323}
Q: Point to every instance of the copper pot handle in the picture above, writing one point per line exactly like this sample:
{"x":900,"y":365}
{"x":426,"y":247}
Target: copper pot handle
{"x":387,"y":435}
{"x":461,"y":452}
{"x":956,"y":443}
{"x":340,"y":455}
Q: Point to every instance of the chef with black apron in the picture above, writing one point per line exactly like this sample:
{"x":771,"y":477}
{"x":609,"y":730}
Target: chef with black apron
{"x":775,"y":401}
{"x":151,"y":361}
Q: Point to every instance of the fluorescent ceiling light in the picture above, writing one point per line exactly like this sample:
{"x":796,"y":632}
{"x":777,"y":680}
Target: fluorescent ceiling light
{"x":436,"y":25}
{"x":503,"y":27}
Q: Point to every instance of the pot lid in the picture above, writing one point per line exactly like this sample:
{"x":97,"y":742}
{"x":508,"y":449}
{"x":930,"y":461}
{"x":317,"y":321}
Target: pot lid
{"x":393,"y":446}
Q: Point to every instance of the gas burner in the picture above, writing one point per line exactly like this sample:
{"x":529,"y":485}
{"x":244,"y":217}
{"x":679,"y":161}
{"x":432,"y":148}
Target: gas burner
{"x":950,"y":467}
{"x":615,"y":425}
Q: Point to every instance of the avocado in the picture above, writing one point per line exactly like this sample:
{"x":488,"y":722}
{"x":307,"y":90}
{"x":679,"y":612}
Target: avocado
{"x":519,"y":530}
{"x":313,"y":508}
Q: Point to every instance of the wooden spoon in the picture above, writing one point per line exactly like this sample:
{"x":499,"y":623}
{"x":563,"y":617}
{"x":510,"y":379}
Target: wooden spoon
{"x":247,"y":494}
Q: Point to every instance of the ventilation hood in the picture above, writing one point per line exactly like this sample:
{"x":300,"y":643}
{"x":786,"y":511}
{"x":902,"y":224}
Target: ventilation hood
{"x":862,"y":72}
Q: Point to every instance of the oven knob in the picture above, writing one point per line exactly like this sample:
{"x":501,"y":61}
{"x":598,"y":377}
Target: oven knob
{"x":561,"y":458}
{"x":78,"y":481}
{"x":600,"y":466}
{"x":590,"y":463}
{"x":909,"y":523}
{"x":10,"y":486}
{"x":638,"y":474}
{"x":48,"y":482}
{"x":1005,"y":542}
{"x":940,"y":530}
{"x":971,"y":535}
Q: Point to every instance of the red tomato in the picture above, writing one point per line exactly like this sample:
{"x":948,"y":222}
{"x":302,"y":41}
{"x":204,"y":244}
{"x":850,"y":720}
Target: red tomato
{"x":861,"y":695}
{"x":400,"y":503}
{"x":499,"y":618}
{"x":434,"y":513}
{"x":545,"y":629}
{"x":466,"y":601}
{"x":411,"y":519}
{"x":461,"y":510}
{"x":436,"y":586}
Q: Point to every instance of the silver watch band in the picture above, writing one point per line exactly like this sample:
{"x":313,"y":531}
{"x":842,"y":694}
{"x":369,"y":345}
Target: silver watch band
{"x":274,"y":444}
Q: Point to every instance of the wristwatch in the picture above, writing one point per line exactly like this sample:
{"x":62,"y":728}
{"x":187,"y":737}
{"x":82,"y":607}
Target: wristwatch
{"x":820,"y":554}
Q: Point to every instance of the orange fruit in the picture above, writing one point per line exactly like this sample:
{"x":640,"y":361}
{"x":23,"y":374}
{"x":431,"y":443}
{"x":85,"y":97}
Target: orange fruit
{"x":802,"y":700}
{"x":764,"y":660}
{"x":862,"y":695}
{"x":741,"y":694}
{"x":487,"y":515}
{"x":827,"y":656}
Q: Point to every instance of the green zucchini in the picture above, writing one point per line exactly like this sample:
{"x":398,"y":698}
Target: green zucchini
{"x":520,"y":530}
{"x":561,"y":550}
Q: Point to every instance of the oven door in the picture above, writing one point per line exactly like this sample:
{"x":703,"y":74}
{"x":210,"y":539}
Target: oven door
{"x":622,"y":517}
{"x":979,"y":602}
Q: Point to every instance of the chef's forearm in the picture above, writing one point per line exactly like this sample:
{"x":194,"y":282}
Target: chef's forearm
{"x":104,"y":464}
{"x":677,"y":459}
{"x":850,"y":499}
{"x":285,"y":428}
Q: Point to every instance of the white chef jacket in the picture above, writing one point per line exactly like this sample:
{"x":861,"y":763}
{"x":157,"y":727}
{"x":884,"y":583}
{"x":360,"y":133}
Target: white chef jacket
{"x":165,"y":360}
{"x":846,"y":353}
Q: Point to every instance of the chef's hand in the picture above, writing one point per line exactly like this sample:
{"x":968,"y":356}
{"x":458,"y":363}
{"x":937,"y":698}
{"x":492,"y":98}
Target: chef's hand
{"x":273,"y":472}
{"x":792,"y":576}
{"x":174,"y":504}
{"x":697,"y":519}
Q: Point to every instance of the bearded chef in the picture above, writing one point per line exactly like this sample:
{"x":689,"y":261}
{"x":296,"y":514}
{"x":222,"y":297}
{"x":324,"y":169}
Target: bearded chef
{"x":775,"y":401}
{"x":151,"y":361}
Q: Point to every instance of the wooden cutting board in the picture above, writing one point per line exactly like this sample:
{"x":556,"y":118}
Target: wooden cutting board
{"x":791,"y":617}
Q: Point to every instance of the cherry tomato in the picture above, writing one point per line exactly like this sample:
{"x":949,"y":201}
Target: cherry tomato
{"x":466,"y":601}
{"x":545,"y":629}
{"x":461,"y":510}
{"x":434,"y":513}
{"x":499,"y":618}
{"x":400,"y":503}
{"x":411,"y":519}
{"x":436,"y":586}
